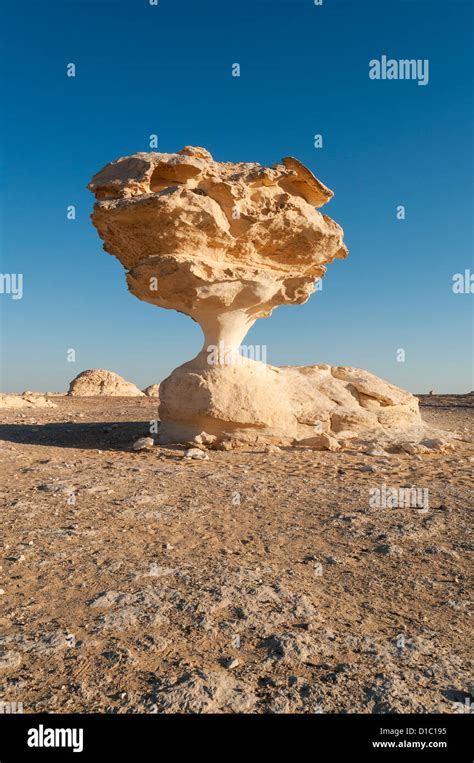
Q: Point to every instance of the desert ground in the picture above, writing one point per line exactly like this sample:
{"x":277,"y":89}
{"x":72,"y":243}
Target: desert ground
{"x":260,"y":580}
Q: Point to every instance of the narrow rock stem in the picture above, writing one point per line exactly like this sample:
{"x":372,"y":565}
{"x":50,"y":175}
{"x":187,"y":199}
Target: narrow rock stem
{"x":223,"y":335}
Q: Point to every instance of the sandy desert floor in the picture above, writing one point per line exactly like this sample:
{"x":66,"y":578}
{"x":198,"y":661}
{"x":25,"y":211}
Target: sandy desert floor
{"x":254,"y":581}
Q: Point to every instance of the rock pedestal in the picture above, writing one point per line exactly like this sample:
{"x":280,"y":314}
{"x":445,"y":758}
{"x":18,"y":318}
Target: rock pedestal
{"x":226,"y":243}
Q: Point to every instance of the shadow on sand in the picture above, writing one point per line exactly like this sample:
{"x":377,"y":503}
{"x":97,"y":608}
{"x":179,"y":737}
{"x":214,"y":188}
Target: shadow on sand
{"x":91,"y":436}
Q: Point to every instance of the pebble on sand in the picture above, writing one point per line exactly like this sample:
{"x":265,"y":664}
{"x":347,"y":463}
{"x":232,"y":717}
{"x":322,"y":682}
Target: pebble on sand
{"x":143,"y":443}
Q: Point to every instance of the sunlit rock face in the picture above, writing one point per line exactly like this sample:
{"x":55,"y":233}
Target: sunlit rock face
{"x":226,"y":243}
{"x":99,"y":381}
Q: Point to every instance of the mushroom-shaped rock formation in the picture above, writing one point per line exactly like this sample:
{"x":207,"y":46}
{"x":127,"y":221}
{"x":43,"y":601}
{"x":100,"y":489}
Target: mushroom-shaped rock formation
{"x":226,"y":243}
{"x":98,"y":381}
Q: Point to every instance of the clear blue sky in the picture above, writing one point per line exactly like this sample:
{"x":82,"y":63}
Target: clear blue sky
{"x":304,"y":70}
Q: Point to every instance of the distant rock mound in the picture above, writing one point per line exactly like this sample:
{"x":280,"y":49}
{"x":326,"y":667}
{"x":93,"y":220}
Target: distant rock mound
{"x":26,"y":400}
{"x":153,"y":390}
{"x":97,"y":382}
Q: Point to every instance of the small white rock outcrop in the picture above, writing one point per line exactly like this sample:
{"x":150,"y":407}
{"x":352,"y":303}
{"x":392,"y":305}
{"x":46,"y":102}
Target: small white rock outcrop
{"x":97,"y":381}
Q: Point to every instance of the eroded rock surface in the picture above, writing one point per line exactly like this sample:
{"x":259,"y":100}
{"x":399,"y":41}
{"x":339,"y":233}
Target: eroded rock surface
{"x":226,"y":243}
{"x":222,"y":242}
{"x":324,"y":407}
{"x":153,"y":390}
{"x":26,"y":400}
{"x":98,"y":381}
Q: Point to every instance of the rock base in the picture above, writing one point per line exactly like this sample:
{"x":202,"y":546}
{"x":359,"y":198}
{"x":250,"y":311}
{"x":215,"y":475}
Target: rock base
{"x":319,"y":406}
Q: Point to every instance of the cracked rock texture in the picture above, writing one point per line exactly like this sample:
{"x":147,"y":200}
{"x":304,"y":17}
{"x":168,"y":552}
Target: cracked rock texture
{"x":226,"y":243}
